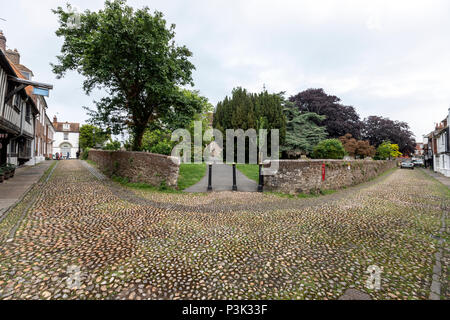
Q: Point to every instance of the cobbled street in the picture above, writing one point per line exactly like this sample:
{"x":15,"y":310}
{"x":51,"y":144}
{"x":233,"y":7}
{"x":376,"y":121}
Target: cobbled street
{"x":74,"y":236}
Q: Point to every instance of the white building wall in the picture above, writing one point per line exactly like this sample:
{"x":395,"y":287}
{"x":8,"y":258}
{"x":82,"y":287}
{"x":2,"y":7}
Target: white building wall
{"x":73,"y":141}
{"x":442,"y":160}
{"x":442,"y":164}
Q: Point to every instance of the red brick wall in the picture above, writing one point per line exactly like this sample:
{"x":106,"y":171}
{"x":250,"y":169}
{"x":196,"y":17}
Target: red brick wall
{"x":150,"y":168}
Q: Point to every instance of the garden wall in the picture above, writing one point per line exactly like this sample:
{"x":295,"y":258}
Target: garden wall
{"x":154,"y":169}
{"x":305,"y":176}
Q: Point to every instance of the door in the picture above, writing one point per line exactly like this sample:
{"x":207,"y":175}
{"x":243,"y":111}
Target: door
{"x":65,"y":151}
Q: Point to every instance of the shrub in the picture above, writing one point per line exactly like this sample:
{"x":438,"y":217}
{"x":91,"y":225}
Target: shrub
{"x":387,"y":150}
{"x":329,"y":149}
{"x":85,"y":154}
{"x":112,"y":145}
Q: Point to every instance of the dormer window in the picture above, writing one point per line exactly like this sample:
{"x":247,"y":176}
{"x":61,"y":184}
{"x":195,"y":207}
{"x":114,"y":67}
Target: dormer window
{"x":66,"y":126}
{"x":26,"y":75}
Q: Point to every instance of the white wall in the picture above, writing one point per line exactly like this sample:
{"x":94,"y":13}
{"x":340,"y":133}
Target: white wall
{"x":442,"y":164}
{"x":73,"y":141}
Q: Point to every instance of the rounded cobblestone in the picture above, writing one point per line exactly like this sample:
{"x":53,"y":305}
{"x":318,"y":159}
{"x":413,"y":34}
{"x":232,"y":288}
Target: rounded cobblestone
{"x":135,"y":244}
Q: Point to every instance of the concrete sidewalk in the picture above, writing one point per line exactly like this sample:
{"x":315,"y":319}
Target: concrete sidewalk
{"x":222,"y":180}
{"x":13,"y":189}
{"x":438,"y":176}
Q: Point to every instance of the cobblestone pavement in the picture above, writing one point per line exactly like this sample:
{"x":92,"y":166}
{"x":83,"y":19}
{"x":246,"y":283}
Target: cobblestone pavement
{"x":84,"y":238}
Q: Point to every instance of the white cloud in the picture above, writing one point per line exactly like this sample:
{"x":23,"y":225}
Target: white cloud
{"x":384,"y":57}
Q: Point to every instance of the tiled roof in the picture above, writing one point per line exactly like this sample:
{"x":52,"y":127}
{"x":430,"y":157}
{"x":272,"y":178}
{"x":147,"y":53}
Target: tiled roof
{"x":59,"y":126}
{"x":19,"y":74}
{"x":28,"y":89}
{"x":21,"y":67}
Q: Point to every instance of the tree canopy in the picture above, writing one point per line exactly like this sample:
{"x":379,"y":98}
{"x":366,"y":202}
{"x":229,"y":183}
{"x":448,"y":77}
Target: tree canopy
{"x":357,"y":148}
{"x":131,"y":54}
{"x":244,"y":110}
{"x":92,"y":137}
{"x":387,"y":150}
{"x":379,"y":129}
{"x":340,"y":119}
{"x":158,"y":140}
{"x":303,"y":131}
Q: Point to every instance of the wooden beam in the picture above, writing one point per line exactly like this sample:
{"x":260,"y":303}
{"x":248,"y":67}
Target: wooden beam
{"x":31,"y":83}
{"x":16,"y":90}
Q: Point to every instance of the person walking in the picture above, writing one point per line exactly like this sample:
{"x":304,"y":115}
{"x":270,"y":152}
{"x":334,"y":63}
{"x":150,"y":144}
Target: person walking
{"x":57,"y":156}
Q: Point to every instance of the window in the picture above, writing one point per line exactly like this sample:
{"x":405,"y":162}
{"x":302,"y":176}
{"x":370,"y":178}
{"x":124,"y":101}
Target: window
{"x":17,"y":102}
{"x":66,"y":126}
{"x":28,"y":114}
{"x":66,"y":136}
{"x":26,"y":75}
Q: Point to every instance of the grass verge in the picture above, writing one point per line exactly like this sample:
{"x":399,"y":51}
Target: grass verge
{"x":251,"y":171}
{"x":190,"y":174}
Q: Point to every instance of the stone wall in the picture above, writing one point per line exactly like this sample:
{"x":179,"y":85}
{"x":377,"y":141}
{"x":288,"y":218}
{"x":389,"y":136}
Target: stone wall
{"x":154,"y":169}
{"x":305,"y":176}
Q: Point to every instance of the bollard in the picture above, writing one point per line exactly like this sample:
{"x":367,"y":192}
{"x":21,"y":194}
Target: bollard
{"x":210,"y":178}
{"x":234,"y":177}
{"x":261,"y":179}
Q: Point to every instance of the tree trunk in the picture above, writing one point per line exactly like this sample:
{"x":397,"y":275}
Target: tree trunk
{"x":138,"y":132}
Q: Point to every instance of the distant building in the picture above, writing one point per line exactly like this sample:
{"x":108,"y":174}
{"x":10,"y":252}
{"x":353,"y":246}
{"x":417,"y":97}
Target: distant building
{"x":442,"y":147}
{"x":66,"y":139}
{"x":418,"y":152}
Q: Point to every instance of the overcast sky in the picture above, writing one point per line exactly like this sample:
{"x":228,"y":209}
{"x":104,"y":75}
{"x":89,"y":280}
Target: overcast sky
{"x":387,"y":58}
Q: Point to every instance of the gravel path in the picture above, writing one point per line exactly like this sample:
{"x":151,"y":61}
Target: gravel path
{"x":90,"y":239}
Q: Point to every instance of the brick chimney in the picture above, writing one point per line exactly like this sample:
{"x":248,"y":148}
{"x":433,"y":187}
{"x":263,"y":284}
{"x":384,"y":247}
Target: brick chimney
{"x":55,"y":120}
{"x":2,"y":41}
{"x":13,"y":55}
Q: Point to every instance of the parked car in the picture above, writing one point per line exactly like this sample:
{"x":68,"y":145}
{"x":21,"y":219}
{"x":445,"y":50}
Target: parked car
{"x":407,"y":164}
{"x":418,"y":163}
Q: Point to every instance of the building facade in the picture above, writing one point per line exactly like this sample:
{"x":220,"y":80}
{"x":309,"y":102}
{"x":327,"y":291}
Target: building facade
{"x":18,"y":111}
{"x":442,"y":147}
{"x":49,"y":138}
{"x":418,"y":152}
{"x":66,"y":139}
{"x":22,"y":113}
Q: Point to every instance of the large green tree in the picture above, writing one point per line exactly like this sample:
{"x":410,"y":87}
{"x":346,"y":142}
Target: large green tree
{"x":131,"y":54}
{"x":158,"y":140}
{"x":245,"y":110}
{"x":303,"y":131}
{"x":92,"y":137}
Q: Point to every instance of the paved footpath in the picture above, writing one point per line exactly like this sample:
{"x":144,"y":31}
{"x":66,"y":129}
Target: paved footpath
{"x":438,"y":176}
{"x":76,"y":236}
{"x":222,"y":180}
{"x":13,"y":189}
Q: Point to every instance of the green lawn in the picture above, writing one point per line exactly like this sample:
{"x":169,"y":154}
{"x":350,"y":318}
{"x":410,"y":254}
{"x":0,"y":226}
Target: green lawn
{"x":190,"y":174}
{"x":251,"y":171}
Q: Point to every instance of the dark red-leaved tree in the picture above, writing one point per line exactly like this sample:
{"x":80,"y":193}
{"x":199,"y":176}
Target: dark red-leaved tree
{"x":378,"y":129}
{"x":340,"y":119}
